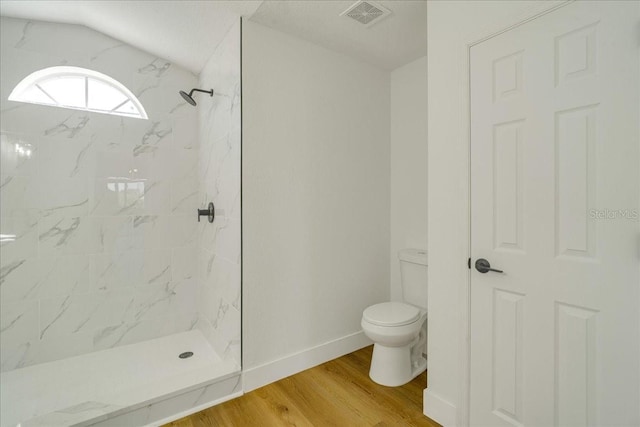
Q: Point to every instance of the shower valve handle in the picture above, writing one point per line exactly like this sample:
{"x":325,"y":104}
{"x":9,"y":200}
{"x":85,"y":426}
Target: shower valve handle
{"x":210,"y":212}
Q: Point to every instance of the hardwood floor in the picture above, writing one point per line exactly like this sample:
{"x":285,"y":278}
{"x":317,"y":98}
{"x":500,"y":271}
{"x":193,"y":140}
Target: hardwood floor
{"x":337,"y":393}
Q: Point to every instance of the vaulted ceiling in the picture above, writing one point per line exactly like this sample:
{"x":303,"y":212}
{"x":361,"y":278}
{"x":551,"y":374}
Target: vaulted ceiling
{"x":187,"y":32}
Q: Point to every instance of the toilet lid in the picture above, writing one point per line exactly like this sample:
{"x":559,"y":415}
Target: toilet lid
{"x":391,"y":314}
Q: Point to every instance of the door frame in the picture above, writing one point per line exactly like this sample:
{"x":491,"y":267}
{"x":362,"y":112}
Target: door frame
{"x":541,"y":9}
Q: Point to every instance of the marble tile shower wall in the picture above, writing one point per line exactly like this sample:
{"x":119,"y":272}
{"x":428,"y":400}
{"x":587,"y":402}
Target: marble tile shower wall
{"x":99,"y":238}
{"x":219,"y":181}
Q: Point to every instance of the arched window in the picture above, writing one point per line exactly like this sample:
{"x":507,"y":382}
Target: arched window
{"x":79,"y":89}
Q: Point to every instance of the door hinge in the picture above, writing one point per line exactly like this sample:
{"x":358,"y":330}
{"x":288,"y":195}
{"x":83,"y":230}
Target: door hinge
{"x":469,"y":263}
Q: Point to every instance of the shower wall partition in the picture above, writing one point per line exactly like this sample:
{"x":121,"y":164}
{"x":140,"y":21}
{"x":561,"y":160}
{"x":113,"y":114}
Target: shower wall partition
{"x":100,"y":246}
{"x":219,"y":181}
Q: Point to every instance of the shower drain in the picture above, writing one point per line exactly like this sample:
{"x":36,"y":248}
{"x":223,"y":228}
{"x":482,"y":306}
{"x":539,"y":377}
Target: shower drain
{"x":185,"y":355}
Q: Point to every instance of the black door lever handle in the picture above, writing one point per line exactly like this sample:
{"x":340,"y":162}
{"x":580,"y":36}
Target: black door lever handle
{"x":483,"y":266}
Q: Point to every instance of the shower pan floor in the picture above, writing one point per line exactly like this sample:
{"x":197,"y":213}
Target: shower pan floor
{"x":98,"y":387}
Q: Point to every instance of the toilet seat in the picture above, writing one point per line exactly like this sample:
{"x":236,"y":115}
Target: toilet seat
{"x":391,"y":314}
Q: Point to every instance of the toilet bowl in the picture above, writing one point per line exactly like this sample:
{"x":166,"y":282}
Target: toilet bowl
{"x":399,"y":329}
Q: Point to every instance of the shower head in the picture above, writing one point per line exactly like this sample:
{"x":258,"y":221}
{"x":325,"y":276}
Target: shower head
{"x":189,"y":96}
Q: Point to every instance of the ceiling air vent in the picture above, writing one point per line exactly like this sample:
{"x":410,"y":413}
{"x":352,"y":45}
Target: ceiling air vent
{"x":366,"y":12}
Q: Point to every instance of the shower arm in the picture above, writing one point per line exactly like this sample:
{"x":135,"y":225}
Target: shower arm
{"x":210,"y":92}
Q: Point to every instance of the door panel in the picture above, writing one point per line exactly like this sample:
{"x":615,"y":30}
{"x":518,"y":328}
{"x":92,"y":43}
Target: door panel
{"x":555,"y":151}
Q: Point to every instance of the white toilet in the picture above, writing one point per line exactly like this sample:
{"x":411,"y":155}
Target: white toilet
{"x":399,"y":329}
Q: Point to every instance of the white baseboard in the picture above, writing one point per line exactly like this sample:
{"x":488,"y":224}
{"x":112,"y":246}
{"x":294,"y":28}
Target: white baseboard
{"x":267,"y":373}
{"x":438,"y":409}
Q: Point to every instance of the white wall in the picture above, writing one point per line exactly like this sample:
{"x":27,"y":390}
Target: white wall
{"x":408,"y":164}
{"x":451,"y":26}
{"x":315,"y":194}
{"x":219,"y":182}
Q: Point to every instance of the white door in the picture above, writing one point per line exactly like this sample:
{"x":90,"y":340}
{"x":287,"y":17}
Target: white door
{"x":554,"y":199}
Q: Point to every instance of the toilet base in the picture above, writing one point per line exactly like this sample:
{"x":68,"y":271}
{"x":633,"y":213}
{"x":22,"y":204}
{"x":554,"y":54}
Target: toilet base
{"x":393,"y":367}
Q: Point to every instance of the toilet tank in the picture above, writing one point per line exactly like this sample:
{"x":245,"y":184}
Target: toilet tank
{"x":413,"y":272}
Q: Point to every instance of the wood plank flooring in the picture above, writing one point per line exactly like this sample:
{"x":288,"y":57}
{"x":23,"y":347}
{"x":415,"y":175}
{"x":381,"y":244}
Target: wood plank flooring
{"x":337,"y":393}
